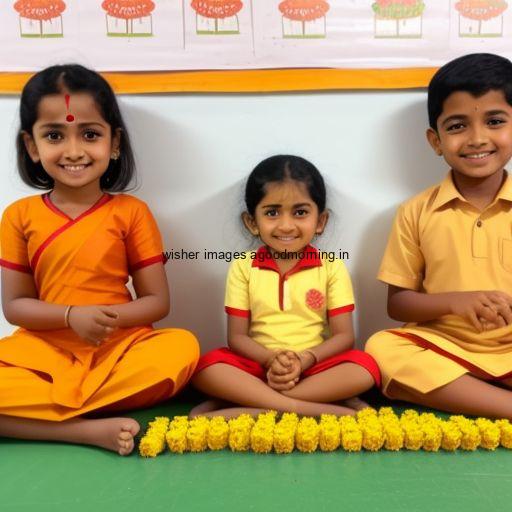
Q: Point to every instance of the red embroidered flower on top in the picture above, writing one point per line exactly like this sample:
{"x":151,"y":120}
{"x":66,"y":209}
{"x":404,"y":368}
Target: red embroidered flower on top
{"x":315,"y":299}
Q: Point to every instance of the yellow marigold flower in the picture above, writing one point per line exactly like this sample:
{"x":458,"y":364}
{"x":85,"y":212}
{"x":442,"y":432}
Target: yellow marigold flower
{"x":306,"y":436}
{"x":365,"y":414}
{"x":218,"y":433}
{"x":262,"y":434}
{"x":409,"y":415}
{"x":432,"y":432}
{"x":351,"y":435}
{"x":176,"y":436}
{"x":197,"y":434}
{"x":153,"y":441}
{"x":177,"y":440}
{"x":373,"y":433}
{"x":393,"y":434}
{"x":329,"y":437}
{"x":470,"y":433}
{"x":506,"y":433}
{"x":413,"y":435}
{"x":394,"y":437}
{"x":284,"y":433}
{"x":387,"y":412}
{"x":489,"y":433}
{"x":452,"y":436}
{"x":240,"y":433}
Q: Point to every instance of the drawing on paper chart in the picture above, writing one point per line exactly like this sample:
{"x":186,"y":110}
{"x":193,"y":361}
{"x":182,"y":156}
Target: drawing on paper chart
{"x":40,"y":18}
{"x":481,"y":18}
{"x":304,"y":18}
{"x":398,"y":18}
{"x":217,"y":17}
{"x":129,"y":18}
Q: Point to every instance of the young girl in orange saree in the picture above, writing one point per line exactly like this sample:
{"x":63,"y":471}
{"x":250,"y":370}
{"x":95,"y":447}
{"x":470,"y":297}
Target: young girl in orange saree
{"x":83,"y":343}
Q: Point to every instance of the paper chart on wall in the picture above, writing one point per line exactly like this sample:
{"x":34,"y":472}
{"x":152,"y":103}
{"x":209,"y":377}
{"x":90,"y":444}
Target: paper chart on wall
{"x":146,"y":35}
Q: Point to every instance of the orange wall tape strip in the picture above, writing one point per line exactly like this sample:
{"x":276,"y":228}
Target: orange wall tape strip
{"x":250,"y":81}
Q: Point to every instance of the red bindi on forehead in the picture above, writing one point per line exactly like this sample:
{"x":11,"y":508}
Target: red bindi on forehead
{"x":70,"y":117}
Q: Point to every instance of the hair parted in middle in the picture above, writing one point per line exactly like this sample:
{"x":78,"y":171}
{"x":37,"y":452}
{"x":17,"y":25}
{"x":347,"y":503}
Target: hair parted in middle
{"x":76,"y":79}
{"x":281,"y":168}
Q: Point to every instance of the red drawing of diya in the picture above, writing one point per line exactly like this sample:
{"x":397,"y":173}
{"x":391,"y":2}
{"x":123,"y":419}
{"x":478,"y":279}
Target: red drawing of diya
{"x":217,"y":16}
{"x":40,"y":18}
{"x":481,"y":18}
{"x":129,"y":18}
{"x":304,"y":18}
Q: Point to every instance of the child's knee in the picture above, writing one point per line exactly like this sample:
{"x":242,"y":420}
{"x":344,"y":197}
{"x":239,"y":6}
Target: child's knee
{"x":374,"y":345}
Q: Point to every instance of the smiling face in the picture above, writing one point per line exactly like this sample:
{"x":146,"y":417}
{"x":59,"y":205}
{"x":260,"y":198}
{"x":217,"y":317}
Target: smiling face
{"x":474,"y":134}
{"x":286,"y":219}
{"x":75,"y":154}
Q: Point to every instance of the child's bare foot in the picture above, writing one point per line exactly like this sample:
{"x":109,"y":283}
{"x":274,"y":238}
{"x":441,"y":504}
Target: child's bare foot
{"x":355,"y":403}
{"x":115,"y":434}
{"x":208,"y":406}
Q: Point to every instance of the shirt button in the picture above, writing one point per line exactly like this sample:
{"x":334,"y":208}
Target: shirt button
{"x":479,"y":223}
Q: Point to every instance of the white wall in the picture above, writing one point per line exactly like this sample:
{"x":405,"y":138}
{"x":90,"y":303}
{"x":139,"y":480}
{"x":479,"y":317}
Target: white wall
{"x":195,"y":151}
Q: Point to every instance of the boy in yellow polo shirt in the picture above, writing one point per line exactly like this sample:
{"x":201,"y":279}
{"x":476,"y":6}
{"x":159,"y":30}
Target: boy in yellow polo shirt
{"x":289,"y":307}
{"x":448,"y":262}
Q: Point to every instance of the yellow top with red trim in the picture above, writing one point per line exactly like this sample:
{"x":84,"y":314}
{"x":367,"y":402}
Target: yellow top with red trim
{"x":441,"y":243}
{"x":86,"y":260}
{"x":289,"y":310}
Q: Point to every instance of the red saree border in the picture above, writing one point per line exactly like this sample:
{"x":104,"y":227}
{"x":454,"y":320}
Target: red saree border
{"x":46,"y":199}
{"x":423,"y":343}
{"x":148,"y":261}
{"x":15,"y":266}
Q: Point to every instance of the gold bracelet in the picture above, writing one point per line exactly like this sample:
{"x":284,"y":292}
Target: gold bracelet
{"x":66,"y":315}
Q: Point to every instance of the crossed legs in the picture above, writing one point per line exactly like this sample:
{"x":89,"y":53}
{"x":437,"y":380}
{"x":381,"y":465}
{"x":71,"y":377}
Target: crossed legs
{"x":310,"y":397}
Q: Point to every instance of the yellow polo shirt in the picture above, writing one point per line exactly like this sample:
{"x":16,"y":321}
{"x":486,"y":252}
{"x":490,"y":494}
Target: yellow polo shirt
{"x":290,"y":310}
{"x":441,"y":243}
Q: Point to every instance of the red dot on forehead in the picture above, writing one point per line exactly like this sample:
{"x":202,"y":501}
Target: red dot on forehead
{"x":70,"y":118}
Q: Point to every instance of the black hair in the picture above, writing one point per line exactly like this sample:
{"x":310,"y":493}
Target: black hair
{"x":75,"y":78}
{"x":477,"y":74}
{"x":279,"y":168}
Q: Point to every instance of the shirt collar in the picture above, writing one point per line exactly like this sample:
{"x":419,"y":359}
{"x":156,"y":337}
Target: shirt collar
{"x":448,"y":192}
{"x":310,"y":258}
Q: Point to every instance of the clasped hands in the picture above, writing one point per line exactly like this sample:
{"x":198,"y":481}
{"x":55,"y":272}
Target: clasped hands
{"x":486,"y":310}
{"x":285,"y":368}
{"x":93,"y":323}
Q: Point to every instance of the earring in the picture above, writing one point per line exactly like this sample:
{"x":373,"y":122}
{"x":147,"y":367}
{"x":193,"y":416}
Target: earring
{"x":115,"y":154}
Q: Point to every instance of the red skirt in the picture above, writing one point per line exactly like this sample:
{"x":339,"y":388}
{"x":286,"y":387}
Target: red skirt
{"x":227,"y":356}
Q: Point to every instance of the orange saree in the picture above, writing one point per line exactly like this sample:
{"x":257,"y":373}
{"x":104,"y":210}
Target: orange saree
{"x":54,"y":374}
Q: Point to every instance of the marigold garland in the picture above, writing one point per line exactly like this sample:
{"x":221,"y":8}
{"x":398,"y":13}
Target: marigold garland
{"x":370,"y":430}
{"x":153,"y":441}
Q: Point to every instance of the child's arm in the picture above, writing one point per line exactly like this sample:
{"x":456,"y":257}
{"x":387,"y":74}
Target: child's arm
{"x":22,"y":307}
{"x":342,"y":339}
{"x":240,"y":342}
{"x":152,"y":302}
{"x":478,"y":307}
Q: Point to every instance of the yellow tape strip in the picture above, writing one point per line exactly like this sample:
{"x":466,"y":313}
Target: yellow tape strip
{"x":268,"y":80}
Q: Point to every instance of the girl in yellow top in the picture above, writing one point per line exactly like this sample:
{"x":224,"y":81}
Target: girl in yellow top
{"x":290,"y":332}
{"x":83,"y":343}
{"x":448,"y":262}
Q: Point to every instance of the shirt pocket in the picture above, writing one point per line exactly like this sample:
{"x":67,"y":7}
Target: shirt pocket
{"x":506,"y":254}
